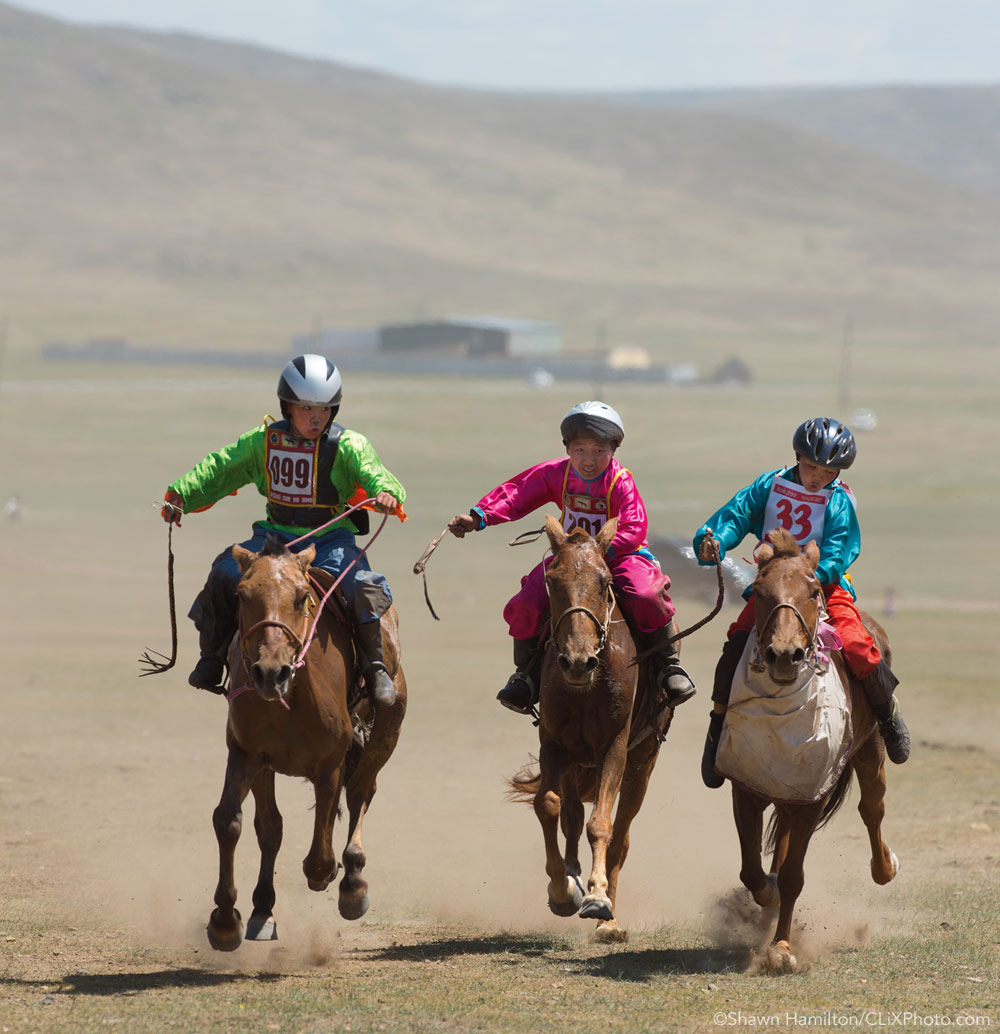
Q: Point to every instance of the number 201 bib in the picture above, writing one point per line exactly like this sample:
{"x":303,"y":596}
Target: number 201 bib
{"x":799,"y":512}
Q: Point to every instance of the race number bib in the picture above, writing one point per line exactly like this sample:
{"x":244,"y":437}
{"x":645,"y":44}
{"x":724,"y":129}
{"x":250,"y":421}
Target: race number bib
{"x":582,"y":511}
{"x":799,"y":512}
{"x":291,"y":470}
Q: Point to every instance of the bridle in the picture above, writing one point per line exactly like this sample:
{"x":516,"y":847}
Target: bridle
{"x":812,"y":635}
{"x":601,"y":625}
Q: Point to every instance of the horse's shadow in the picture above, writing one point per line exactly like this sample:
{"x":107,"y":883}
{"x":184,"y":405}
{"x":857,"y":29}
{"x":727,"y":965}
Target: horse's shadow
{"x":99,"y":985}
{"x":634,"y":964}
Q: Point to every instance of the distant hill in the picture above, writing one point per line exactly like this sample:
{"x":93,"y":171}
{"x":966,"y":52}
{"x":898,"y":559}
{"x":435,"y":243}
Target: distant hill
{"x":951,"y":133}
{"x":179,"y":191}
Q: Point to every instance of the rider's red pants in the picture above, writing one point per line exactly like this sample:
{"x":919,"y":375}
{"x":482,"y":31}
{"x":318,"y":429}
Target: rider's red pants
{"x":860,"y":651}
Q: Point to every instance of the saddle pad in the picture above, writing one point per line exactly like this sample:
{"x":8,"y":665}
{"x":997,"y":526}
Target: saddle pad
{"x":788,"y":743}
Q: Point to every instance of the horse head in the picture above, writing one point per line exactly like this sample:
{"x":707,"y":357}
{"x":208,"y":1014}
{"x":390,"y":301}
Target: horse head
{"x":787,"y":594}
{"x":581,"y":602}
{"x":275,"y":611}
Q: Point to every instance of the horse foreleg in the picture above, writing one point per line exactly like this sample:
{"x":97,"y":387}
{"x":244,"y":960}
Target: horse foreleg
{"x":635,"y":782}
{"x":597,"y":904}
{"x":225,"y":925}
{"x":268,"y":826}
{"x":352,"y":899}
{"x":791,"y":875}
{"x":565,"y":892}
{"x":748,"y":812}
{"x":320,"y":866}
{"x":571,"y":819}
{"x":869,"y":764}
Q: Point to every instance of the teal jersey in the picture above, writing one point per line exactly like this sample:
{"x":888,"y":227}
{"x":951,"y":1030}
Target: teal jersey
{"x":230,"y":468}
{"x":839,"y":546}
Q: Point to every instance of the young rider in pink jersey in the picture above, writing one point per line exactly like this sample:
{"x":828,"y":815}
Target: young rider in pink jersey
{"x":810,"y":501}
{"x":591,"y":487}
{"x":309,"y":469}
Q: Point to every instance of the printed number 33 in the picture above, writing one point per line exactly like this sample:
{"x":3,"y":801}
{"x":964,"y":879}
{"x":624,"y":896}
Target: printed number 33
{"x":795,"y":520}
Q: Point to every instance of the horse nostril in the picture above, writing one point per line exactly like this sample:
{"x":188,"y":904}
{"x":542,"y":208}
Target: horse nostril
{"x":563,"y":662}
{"x":591,"y":663}
{"x":256,"y":673}
{"x":799,"y":656}
{"x":284,"y":674}
{"x":770,"y":656}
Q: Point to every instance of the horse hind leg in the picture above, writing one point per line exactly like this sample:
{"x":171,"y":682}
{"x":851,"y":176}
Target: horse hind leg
{"x":869,"y":765}
{"x":320,"y":865}
{"x":268,"y":826}
{"x":225,"y":925}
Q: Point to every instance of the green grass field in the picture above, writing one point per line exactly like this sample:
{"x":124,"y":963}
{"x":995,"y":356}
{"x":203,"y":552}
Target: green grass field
{"x":107,"y":782}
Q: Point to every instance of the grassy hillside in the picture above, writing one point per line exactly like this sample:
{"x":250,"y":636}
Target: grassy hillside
{"x":184,"y":192}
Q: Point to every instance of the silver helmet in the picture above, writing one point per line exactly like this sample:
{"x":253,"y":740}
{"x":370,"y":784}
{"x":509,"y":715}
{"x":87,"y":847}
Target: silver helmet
{"x":310,"y":380}
{"x":592,"y":420}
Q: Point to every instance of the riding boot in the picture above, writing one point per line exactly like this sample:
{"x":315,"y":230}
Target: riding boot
{"x":879,"y":687}
{"x":216,"y":624}
{"x":377,"y":676}
{"x":672,"y":678}
{"x":732,"y":651}
{"x":521,"y":691}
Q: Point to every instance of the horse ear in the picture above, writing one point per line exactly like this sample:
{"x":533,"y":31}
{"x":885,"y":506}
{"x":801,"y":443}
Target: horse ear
{"x":243,"y":557}
{"x":606,"y":534}
{"x":765,"y":553}
{"x":554,"y":531}
{"x":812,"y":554}
{"x":305,"y":558}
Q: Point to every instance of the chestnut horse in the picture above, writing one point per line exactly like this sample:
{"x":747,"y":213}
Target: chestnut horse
{"x":787,"y":614}
{"x":297,"y":716}
{"x":599,"y":731}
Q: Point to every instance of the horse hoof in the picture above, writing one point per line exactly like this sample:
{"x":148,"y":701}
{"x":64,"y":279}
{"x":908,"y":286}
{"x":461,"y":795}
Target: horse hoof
{"x":571,"y":904}
{"x":610,"y":932}
{"x":778,"y":959}
{"x":594,"y":907}
{"x":261,"y":928}
{"x":353,"y":909}
{"x":225,"y":938}
{"x":880,"y":876}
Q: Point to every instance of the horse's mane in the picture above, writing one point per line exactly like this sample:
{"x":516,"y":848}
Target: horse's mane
{"x":784,"y":544}
{"x":274,"y":546}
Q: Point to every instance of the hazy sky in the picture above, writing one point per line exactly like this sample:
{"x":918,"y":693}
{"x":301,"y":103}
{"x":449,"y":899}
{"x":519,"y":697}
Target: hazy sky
{"x":600,"y":44}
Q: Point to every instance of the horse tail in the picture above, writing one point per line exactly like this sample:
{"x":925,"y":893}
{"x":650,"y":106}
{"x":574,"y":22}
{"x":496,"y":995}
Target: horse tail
{"x":831,"y":806}
{"x":522,"y":788}
{"x":833,"y":803}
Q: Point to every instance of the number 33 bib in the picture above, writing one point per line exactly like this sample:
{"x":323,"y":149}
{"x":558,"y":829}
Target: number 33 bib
{"x":798,"y":511}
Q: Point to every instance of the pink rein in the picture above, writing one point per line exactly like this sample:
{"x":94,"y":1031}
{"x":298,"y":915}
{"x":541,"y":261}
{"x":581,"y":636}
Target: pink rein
{"x":300,"y":660}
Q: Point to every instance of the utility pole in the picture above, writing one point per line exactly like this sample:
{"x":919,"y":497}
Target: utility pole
{"x":844,"y":400}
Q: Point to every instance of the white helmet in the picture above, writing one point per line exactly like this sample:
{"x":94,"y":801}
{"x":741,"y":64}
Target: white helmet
{"x":592,"y":420}
{"x":310,"y":380}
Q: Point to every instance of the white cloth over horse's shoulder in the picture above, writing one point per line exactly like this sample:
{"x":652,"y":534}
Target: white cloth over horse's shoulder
{"x":788,"y":743}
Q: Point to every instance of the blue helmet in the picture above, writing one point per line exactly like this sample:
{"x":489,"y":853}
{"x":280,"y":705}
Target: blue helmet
{"x":825,"y":441}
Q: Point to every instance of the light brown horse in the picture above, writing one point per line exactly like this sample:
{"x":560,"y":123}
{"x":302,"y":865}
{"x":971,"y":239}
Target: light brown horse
{"x":599,"y":731}
{"x":298,"y":721}
{"x":787,"y":613}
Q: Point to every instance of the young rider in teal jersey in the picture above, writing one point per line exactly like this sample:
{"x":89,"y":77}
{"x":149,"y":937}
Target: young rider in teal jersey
{"x":810,"y":501}
{"x":309,"y":469}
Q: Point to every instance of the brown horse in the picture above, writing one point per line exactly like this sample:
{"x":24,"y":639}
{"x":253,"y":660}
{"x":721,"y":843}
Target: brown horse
{"x":599,"y":730}
{"x":298,"y":720}
{"x":787,"y":616}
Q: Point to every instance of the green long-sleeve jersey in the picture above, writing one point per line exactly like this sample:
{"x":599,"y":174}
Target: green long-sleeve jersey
{"x":244,"y":462}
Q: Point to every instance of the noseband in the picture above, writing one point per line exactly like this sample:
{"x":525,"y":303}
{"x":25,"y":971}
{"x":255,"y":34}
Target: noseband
{"x":601,"y":625}
{"x":811,"y":634}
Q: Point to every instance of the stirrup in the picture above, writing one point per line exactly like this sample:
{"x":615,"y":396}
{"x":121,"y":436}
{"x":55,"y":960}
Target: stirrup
{"x":518,"y":693}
